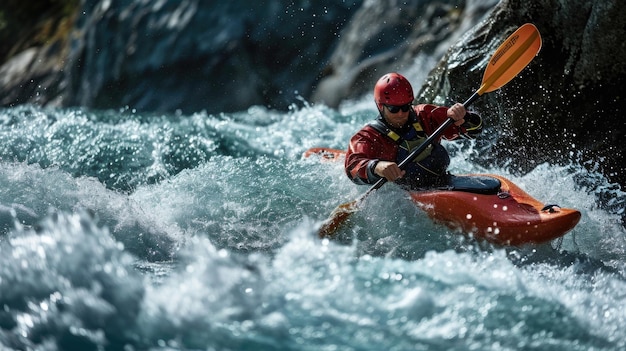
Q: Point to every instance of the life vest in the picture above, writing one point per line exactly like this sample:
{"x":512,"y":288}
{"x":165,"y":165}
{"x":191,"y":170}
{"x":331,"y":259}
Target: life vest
{"x":424,"y":167}
{"x":410,"y":140}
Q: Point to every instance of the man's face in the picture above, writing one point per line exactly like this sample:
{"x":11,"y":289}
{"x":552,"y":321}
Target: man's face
{"x":397,"y":119}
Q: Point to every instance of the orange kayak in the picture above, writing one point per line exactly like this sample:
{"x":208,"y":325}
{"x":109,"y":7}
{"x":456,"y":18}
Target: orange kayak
{"x":506,"y":216}
{"x":488,"y":207}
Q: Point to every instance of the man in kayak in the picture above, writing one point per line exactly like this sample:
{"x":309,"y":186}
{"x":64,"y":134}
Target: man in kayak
{"x":377,"y":148}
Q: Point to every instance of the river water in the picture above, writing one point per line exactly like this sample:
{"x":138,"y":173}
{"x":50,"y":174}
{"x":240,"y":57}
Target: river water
{"x":133,"y":231}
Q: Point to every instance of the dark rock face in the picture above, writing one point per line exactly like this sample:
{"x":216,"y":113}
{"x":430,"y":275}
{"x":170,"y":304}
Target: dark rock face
{"x":185,"y":55}
{"x":384,"y":37}
{"x":224,"y":56}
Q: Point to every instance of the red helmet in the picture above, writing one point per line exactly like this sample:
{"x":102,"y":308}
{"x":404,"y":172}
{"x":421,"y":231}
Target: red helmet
{"x":393,"y":89}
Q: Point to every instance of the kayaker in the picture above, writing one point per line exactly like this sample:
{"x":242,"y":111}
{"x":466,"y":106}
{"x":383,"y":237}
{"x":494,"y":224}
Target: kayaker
{"x":377,"y":148}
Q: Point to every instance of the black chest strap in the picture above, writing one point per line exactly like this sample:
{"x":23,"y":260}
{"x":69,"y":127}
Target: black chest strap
{"x":383,"y":129}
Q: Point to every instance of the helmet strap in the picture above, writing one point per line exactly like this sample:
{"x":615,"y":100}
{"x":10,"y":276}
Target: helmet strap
{"x":380,"y":107}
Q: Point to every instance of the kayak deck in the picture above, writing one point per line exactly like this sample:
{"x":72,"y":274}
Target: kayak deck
{"x":508,"y":217}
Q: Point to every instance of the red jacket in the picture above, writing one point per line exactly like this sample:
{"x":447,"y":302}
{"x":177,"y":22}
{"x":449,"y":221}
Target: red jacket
{"x":368,"y":145}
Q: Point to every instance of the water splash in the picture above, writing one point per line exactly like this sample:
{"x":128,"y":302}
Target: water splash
{"x":220,"y":249}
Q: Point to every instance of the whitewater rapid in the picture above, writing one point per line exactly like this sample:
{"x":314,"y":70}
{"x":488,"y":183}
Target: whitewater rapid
{"x":122,"y":230}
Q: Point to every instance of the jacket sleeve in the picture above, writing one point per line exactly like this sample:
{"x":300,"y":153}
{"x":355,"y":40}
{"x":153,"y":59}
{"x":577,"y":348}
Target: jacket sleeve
{"x":366,"y":148}
{"x":473,"y":125}
{"x":432,"y":116}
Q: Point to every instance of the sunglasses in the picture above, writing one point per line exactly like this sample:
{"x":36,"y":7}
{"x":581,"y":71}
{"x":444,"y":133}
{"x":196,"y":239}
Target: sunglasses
{"x":396,"y":109}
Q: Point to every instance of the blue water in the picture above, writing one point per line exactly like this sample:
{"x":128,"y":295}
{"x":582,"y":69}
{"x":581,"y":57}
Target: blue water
{"x":130,"y":231}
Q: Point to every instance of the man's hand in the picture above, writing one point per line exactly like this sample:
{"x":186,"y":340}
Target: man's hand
{"x":457,"y":112}
{"x":389,"y":170}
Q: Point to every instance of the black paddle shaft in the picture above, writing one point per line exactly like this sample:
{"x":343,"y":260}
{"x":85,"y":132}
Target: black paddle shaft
{"x":416,"y":152}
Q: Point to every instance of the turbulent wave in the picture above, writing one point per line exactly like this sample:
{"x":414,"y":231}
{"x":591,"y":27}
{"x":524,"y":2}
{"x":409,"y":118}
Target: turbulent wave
{"x":121,"y":230}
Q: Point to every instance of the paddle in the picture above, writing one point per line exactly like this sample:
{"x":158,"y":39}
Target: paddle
{"x":507,"y":61}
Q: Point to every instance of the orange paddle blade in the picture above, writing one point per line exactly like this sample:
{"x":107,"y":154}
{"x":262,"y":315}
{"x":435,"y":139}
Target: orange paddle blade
{"x":512,"y":56}
{"x":337,"y":218}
